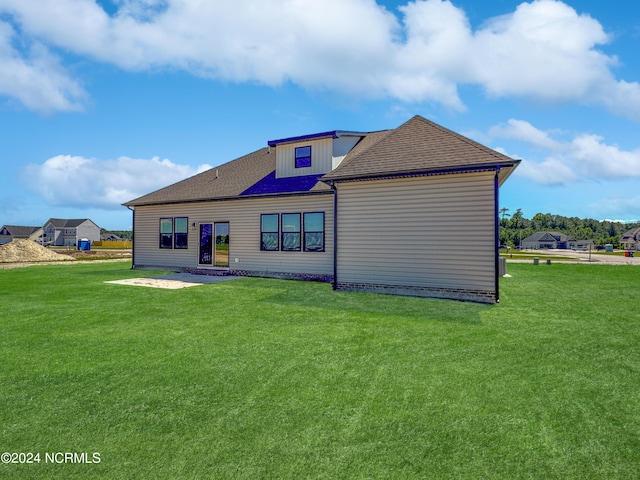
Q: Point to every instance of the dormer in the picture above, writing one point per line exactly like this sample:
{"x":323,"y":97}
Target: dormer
{"x":315,"y":154}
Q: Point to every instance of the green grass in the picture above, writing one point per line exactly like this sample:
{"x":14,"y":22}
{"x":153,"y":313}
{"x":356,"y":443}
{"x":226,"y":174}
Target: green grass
{"x":257,"y":378}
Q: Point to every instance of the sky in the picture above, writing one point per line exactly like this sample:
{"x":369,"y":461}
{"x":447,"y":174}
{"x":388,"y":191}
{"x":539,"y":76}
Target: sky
{"x":102,"y":101}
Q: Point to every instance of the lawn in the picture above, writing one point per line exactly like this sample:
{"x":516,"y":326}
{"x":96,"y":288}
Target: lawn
{"x":258,"y":378}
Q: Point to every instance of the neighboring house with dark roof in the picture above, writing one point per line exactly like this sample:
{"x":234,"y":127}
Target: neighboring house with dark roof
{"x":554,"y":240}
{"x":631,"y":239}
{"x":11,"y":232}
{"x":67,"y":232}
{"x":411,"y":211}
{"x":110,"y":237}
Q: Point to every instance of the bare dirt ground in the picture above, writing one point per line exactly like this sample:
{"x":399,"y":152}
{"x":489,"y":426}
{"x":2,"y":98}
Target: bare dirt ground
{"x":174,"y":280}
{"x":23,"y":253}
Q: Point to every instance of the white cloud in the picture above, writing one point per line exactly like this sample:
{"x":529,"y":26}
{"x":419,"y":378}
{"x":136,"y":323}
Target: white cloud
{"x":544,"y":50}
{"x":549,"y":172}
{"x":585,"y":157}
{"x":67,"y":180}
{"x":619,"y":204}
{"x":596,"y":159}
{"x":35,"y":77}
{"x":524,"y":131}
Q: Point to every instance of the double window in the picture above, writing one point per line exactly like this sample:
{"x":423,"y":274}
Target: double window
{"x":174,"y":232}
{"x":303,"y":157}
{"x":292,"y":232}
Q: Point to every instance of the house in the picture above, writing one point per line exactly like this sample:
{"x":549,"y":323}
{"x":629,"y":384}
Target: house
{"x":388,"y":211}
{"x":11,"y":232}
{"x":631,"y":239}
{"x":555,"y":240}
{"x":110,"y":237}
{"x":63,"y":232}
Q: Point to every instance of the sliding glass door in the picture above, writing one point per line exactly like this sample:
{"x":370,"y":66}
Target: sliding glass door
{"x":214,"y":244}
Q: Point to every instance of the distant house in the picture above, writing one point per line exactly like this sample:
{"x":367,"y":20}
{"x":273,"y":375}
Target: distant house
{"x":11,"y":232}
{"x":63,"y":232}
{"x":554,"y":240}
{"x":409,"y":211}
{"x":631,"y":239}
{"x":110,"y":237}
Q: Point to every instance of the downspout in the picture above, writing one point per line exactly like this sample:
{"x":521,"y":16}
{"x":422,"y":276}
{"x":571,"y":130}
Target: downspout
{"x":497,"y":234}
{"x":335,"y":235}
{"x":133,"y":239}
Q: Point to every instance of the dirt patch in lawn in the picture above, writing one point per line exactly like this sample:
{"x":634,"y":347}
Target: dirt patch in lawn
{"x":173,"y":280}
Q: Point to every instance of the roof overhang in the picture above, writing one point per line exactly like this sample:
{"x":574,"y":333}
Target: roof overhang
{"x":504,"y":170}
{"x":133,"y":205}
{"x":316,"y":136}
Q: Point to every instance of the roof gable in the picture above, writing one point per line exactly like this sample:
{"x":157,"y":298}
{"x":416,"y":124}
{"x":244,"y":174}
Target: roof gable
{"x":415,"y":147}
{"x":67,"y":223}
{"x":632,"y":234}
{"x":19,"y":230}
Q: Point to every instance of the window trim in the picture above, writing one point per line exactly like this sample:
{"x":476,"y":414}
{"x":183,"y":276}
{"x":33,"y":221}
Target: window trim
{"x":161,"y":244}
{"x":262,"y":232}
{"x":304,"y":231}
{"x":299,"y":232}
{"x":174,"y":243}
{"x":298,"y":159}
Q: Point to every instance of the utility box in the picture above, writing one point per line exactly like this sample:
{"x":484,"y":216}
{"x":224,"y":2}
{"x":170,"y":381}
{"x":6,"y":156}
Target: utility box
{"x":502,"y":266}
{"x":608,"y":247}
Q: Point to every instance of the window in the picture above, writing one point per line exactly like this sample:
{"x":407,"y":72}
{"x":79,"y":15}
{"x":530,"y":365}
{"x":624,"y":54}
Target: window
{"x":303,"y":157}
{"x":269,"y":232}
{"x":291,"y":232}
{"x":314,"y":232}
{"x":181,"y":232}
{"x":174,"y":232}
{"x":166,"y":232}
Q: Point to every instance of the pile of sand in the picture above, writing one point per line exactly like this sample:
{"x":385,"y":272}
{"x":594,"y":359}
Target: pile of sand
{"x":20,"y":250}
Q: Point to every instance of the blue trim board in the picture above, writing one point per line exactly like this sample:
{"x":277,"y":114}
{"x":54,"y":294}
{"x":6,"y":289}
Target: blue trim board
{"x":316,"y":136}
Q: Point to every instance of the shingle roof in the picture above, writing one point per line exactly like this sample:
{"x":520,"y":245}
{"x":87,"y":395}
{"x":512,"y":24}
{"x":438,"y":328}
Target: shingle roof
{"x":549,"y":237}
{"x":225,"y":181}
{"x":417,"y":146}
{"x":20,"y":231}
{"x":630,"y":234}
{"x":252,"y":174}
{"x":67,"y":223}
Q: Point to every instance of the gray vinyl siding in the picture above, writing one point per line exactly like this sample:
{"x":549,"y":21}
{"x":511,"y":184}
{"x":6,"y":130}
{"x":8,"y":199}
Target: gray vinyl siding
{"x":341,"y":147}
{"x":88,"y":230}
{"x":244,"y":233}
{"x":434,"y":232}
{"x":321,"y":158}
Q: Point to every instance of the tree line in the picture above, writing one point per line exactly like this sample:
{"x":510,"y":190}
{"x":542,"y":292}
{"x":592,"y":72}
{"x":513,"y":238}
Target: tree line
{"x":515,"y":227}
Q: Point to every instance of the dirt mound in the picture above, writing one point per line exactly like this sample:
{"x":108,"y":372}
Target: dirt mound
{"x":20,"y":250}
